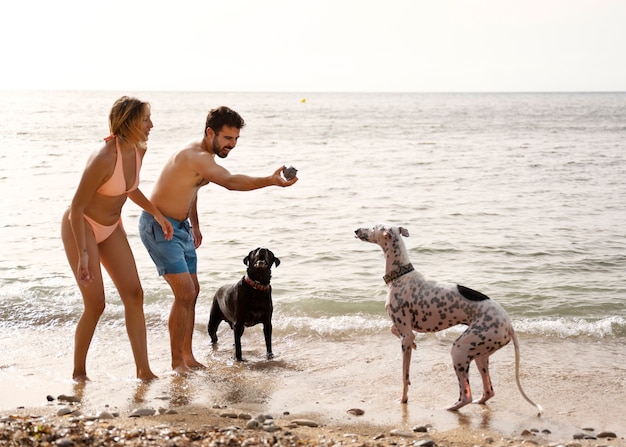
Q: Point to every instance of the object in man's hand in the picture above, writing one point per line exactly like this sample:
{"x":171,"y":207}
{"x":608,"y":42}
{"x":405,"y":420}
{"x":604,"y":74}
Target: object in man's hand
{"x":289,"y":172}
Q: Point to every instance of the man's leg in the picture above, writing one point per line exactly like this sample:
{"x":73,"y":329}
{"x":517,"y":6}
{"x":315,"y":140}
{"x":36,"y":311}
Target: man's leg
{"x":175,"y":259}
{"x":182,"y":319}
{"x":188,"y":356}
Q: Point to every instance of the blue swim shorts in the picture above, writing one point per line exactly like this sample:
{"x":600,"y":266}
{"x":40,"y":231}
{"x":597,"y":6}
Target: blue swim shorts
{"x":175,"y":256}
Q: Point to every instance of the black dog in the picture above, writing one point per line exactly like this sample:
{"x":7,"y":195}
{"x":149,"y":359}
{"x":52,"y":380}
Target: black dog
{"x":248,"y":302}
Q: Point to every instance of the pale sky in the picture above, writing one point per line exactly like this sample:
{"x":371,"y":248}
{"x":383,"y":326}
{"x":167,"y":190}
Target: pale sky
{"x":314,"y":45}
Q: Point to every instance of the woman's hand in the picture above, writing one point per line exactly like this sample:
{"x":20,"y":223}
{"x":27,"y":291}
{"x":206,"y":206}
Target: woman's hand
{"x":83,"y":274}
{"x":166,"y":226}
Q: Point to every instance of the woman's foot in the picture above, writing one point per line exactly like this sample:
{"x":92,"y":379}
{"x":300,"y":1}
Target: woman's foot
{"x":80,"y":378}
{"x":147,"y":377}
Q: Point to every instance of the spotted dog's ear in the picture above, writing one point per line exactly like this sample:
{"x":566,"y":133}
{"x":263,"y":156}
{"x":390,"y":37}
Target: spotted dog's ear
{"x":403,"y":231}
{"x":276,"y":261}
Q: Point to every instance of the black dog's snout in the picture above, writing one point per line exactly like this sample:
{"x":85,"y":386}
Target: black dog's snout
{"x":261,"y":263}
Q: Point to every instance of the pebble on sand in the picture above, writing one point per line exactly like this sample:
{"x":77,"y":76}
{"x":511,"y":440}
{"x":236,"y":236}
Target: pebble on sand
{"x":305,"y":422}
{"x":142,"y":412}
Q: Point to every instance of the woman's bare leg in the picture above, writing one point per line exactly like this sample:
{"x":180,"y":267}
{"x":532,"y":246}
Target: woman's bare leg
{"x":93,"y":296}
{"x":119,"y":262}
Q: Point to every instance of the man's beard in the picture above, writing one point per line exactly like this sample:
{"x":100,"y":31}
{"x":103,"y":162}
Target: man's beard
{"x":218,"y":151}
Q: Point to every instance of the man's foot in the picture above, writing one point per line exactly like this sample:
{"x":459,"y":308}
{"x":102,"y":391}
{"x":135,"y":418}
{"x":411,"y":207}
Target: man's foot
{"x":183,"y":370}
{"x":194,"y":364}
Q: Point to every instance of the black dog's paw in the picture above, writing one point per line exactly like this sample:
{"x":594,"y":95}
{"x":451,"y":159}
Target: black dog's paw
{"x":269,"y":355}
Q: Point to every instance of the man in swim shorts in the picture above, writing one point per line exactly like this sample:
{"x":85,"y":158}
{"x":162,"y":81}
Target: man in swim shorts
{"x":175,"y":195}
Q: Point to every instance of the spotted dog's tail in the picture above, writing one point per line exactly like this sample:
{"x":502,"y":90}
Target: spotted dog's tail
{"x":519,"y":385}
{"x":471,"y":294}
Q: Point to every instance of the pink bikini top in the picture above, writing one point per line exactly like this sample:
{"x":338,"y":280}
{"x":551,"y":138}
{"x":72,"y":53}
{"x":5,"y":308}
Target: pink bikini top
{"x":116,"y":185}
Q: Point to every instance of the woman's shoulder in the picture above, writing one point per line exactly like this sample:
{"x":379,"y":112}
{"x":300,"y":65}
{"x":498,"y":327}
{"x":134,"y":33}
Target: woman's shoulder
{"x":104,"y":155}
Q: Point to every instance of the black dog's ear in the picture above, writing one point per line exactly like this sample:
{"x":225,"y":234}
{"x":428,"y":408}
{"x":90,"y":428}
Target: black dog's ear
{"x":247,"y":258}
{"x":276,"y":260}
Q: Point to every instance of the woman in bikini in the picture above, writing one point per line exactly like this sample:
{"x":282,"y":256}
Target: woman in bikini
{"x":92,"y":231}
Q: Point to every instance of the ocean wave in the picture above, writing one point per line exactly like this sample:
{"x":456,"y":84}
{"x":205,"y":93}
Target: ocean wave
{"x":332,"y":328}
{"x":343,"y":321}
{"x":574,"y":327}
{"x":340,"y":326}
{"x":323,"y":314}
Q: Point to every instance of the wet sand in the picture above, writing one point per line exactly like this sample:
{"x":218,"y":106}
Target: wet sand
{"x":321,"y":380}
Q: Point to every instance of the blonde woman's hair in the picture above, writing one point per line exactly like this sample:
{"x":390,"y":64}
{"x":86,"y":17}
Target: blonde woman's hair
{"x":125,"y":119}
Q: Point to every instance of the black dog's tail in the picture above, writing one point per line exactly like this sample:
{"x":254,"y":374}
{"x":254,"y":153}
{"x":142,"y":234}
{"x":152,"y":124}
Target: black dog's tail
{"x":519,"y":385}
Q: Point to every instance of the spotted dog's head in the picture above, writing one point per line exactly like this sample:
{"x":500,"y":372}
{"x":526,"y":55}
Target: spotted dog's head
{"x":259,"y":262}
{"x":381,"y":234}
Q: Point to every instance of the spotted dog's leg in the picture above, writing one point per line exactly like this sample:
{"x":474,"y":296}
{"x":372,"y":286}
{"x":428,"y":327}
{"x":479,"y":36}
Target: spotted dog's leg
{"x":461,"y":359}
{"x":482,"y":363}
{"x":394,"y":331}
{"x":408,"y":344}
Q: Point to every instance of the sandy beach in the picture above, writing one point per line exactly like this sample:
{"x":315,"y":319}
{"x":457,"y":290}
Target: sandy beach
{"x":207,"y":427}
{"x":234,"y":427}
{"x":349,"y":403}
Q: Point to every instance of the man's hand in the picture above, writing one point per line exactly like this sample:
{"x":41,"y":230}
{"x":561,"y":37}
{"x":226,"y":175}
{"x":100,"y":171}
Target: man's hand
{"x":197,"y":236}
{"x":278,"y":179}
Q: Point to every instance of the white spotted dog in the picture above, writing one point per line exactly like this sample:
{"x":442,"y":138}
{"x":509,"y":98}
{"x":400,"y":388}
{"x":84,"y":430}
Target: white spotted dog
{"x":416,"y":304}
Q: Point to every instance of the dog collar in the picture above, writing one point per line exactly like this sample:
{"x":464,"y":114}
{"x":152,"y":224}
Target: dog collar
{"x":403,"y":270}
{"x":255,"y":284}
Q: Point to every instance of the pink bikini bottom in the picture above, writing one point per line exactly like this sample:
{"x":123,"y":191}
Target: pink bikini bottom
{"x":101,"y":232}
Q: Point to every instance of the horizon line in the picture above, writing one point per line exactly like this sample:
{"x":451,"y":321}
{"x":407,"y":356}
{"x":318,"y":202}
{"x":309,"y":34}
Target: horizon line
{"x":309,"y":91}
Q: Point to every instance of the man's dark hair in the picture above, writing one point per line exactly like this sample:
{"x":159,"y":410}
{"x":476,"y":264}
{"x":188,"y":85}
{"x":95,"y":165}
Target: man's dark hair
{"x":223,"y":116}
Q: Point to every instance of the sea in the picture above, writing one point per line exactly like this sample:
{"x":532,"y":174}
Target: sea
{"x":521,"y":196}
